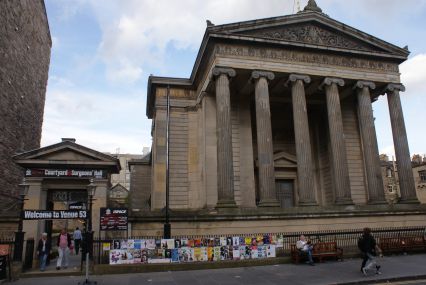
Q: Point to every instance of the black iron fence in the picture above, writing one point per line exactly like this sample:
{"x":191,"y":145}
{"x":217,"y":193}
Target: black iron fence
{"x":346,"y":239}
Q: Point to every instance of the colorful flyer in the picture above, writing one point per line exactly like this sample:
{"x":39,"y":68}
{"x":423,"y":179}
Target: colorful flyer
{"x":175,"y":255}
{"x":106,"y":246}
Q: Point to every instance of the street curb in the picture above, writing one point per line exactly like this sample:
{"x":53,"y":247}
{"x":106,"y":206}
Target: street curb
{"x":145,"y":268}
{"x":50,"y":274}
{"x":384,"y":280}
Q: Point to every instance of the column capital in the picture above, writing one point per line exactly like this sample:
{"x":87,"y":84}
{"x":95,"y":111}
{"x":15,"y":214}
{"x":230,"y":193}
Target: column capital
{"x":361,"y":84}
{"x":217,"y":71}
{"x":295,"y":77}
{"x":391,"y":87}
{"x":256,"y":74}
{"x":331,"y":80}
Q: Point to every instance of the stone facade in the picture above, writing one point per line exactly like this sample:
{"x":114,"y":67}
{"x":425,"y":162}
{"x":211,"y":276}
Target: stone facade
{"x":24,"y":63}
{"x":275,"y":126}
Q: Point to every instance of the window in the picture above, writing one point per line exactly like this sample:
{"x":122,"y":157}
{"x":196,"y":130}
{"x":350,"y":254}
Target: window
{"x":422,"y":175}
{"x":390,"y":188}
{"x":388,"y":172}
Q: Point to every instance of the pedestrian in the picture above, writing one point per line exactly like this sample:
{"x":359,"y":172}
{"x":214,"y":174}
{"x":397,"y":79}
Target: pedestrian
{"x":77,"y":240}
{"x":305,"y":246}
{"x":43,"y":250}
{"x":368,"y":247}
{"x":64,"y":243}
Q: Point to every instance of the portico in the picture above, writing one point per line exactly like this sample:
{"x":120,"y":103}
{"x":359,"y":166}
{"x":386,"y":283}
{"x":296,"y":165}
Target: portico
{"x":277,"y":116}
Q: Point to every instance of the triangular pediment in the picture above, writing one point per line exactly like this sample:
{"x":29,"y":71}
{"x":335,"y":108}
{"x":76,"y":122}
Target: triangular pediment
{"x":119,"y":188}
{"x":313,"y":34}
{"x":284,"y":160}
{"x":309,"y":30}
{"x":66,"y":153}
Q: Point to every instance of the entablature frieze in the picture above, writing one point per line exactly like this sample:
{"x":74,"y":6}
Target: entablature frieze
{"x":298,"y":57}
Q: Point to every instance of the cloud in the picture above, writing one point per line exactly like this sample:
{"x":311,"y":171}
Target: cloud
{"x":103,"y":122}
{"x":136,"y":34}
{"x":413,"y":75}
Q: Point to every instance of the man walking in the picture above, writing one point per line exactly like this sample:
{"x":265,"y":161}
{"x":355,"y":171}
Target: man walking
{"x":64,"y":243}
{"x":367,"y":245}
{"x":77,"y":240}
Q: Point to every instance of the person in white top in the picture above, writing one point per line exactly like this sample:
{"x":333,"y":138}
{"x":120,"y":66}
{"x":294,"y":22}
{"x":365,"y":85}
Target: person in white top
{"x":77,"y":240}
{"x":305,"y":246}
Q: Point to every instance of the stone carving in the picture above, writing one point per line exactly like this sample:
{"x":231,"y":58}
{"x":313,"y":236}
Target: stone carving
{"x":311,"y":34}
{"x":361,"y":84}
{"x":295,"y":77}
{"x":223,"y":70}
{"x":259,"y":73}
{"x":331,"y":80}
{"x":304,"y":57}
{"x":395,"y":86}
{"x":312,"y":6}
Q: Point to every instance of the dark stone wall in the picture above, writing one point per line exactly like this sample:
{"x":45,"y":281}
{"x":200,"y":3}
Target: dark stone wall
{"x":140,"y":186}
{"x":25,"y":45}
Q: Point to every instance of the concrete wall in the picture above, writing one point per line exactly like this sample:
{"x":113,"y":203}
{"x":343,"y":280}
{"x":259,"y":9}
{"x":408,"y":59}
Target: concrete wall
{"x":24,"y":63}
{"x":140,"y":186}
{"x":279,"y":225}
{"x":353,"y":151}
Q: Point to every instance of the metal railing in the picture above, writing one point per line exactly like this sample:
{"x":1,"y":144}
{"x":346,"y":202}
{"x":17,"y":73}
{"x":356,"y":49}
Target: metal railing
{"x":346,"y":239}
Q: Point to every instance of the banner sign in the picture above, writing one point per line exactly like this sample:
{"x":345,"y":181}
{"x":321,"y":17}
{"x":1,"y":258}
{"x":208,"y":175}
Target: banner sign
{"x":53,"y":215}
{"x":72,"y":173}
{"x":113,"y":219}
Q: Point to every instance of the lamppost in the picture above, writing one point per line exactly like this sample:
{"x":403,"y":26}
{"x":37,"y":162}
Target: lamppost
{"x":19,"y":235}
{"x":91,"y":189}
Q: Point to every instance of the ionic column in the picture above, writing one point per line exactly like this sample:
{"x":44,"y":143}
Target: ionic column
{"x":402,"y":152}
{"x":267,"y":193}
{"x":225,"y":169}
{"x":376,"y":193}
{"x":337,"y":140}
{"x":305,"y":174}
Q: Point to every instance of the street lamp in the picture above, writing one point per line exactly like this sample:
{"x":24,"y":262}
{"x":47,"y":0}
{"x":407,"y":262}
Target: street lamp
{"x":19,"y":235}
{"x":91,"y":189}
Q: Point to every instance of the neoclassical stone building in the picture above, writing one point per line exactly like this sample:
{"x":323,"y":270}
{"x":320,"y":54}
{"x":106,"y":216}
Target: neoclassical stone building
{"x":274,"y":131}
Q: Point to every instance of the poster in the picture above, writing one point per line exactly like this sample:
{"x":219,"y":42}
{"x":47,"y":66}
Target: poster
{"x":135,"y":251}
{"x":168,"y":243}
{"x":235,"y":241}
{"x":175,"y":255}
{"x":106,"y":246}
{"x":270,"y":250}
{"x":113,"y":219}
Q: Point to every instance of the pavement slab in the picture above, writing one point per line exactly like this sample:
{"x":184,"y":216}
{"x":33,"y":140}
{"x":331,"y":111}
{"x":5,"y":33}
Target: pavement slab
{"x":394,"y":268}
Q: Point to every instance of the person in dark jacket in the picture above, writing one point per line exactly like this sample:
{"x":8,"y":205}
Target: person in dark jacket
{"x":43,"y":250}
{"x":367,"y":245}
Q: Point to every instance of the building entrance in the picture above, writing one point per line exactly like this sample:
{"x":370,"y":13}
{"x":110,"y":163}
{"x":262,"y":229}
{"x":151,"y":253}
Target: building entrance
{"x":285,"y":193}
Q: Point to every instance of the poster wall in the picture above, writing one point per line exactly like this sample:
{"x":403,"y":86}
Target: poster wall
{"x":133,"y":251}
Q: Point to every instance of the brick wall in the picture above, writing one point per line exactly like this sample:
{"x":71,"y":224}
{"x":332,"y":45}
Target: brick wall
{"x":24,"y":63}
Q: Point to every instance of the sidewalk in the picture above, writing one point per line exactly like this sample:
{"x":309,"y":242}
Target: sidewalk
{"x":400,"y":267}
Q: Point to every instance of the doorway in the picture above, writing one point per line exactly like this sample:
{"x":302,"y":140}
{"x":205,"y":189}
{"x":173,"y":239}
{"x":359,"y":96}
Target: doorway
{"x":285,"y":192}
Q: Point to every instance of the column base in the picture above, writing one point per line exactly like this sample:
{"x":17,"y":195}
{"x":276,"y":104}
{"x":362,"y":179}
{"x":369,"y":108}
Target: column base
{"x":344,"y":201}
{"x":226,"y":204}
{"x":409,"y":201}
{"x":377,"y":202}
{"x":307,"y":203}
{"x":269,"y":203}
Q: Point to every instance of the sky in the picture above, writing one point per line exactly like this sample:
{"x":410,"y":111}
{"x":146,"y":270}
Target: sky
{"x":104,"y":50}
